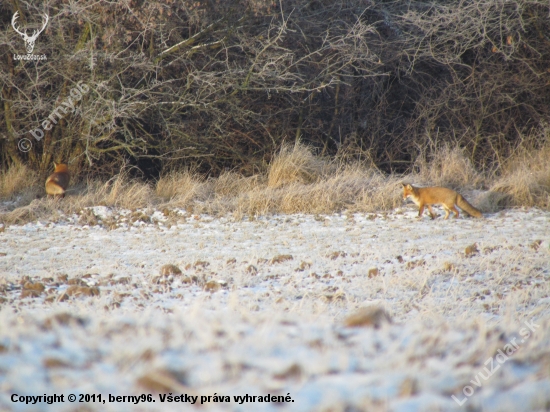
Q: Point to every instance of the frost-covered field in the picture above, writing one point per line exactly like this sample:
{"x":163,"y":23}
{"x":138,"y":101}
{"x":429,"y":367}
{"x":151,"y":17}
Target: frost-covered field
{"x":264,"y":306}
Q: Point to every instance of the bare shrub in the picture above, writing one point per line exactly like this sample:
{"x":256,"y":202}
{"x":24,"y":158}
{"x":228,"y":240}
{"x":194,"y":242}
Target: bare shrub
{"x":295,"y":164}
{"x":221,"y":85}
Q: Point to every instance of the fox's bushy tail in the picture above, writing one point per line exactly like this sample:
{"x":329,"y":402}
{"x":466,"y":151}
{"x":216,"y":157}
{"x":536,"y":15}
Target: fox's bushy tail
{"x":467,"y":207}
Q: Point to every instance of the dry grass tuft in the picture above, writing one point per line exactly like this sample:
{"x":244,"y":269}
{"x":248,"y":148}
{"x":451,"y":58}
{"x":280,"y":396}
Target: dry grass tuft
{"x":351,"y":187}
{"x":179,"y":188}
{"x":295,"y":164}
{"x":372,"y":316}
{"x":19,"y":180}
{"x":448,"y":167}
{"x":525,"y":179}
{"x":231,"y":184}
{"x":123,"y":192}
{"x":382,"y":193}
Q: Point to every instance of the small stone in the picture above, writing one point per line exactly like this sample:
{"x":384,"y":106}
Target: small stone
{"x":139,"y":217}
{"x":294,"y":371}
{"x":123,"y":280}
{"x":170,"y":270}
{"x":162,"y":381}
{"x":471,"y":250}
{"x":281,"y":259}
{"x":38,"y":287}
{"x":372,"y":316}
{"x":373,"y":272}
{"x":29,"y":293}
{"x":163,"y":280}
{"x":201,"y":264}
{"x":336,"y":255}
{"x":303,"y":266}
{"x":54,"y":363}
{"x":77,"y":291}
{"x":415,"y":263}
{"x":252,"y":270}
{"x":448,"y":266}
{"x":63,"y":297}
{"x":212,"y":286}
{"x":76,"y":281}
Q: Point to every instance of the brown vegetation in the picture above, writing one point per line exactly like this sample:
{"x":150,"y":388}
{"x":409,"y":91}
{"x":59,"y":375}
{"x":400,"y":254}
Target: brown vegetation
{"x":335,"y":188}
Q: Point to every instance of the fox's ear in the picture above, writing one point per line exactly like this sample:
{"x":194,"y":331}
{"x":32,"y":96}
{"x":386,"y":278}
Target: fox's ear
{"x":404,"y":184}
{"x":54,"y":164}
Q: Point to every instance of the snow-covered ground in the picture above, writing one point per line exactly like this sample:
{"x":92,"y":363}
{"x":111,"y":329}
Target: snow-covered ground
{"x":267,"y":306}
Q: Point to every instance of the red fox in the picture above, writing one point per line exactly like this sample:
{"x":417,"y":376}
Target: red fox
{"x":58,"y":181}
{"x":428,"y":196}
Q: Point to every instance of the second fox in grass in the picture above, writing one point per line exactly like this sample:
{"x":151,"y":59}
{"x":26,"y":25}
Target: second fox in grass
{"x":449,"y":199}
{"x":58,"y":181}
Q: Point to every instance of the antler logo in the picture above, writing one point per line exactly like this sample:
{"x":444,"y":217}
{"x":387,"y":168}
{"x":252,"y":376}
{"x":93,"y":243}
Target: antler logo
{"x":29,"y":40}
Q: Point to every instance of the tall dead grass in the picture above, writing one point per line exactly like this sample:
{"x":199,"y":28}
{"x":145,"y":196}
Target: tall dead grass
{"x":17,"y":180}
{"x":296,"y":164}
{"x":119,"y":191}
{"x":295,"y":182}
{"x":178,"y":188}
{"x":448,"y":167}
{"x":525,"y":178}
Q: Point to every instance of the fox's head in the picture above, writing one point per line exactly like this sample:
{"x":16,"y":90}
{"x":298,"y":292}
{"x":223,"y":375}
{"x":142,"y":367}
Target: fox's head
{"x":407,"y":190}
{"x":61,"y":167}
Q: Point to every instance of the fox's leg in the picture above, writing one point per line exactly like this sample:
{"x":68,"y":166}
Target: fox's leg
{"x":447,"y":211}
{"x":432,"y":214}
{"x":420,"y":210}
{"x":455,"y":210}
